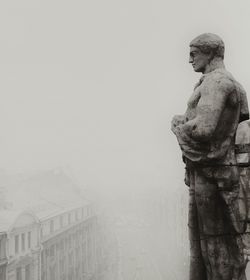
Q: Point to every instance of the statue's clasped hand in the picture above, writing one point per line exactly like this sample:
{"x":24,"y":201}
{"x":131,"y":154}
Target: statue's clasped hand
{"x":177,"y":121}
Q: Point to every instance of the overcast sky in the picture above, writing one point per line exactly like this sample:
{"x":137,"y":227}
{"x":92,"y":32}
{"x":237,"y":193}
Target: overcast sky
{"x":93,"y":85}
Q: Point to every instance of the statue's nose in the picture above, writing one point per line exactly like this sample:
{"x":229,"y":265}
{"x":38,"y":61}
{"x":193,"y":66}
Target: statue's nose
{"x":190,"y":59}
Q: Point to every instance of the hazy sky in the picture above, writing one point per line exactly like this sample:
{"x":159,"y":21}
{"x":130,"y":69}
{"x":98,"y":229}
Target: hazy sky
{"x":94,"y":84}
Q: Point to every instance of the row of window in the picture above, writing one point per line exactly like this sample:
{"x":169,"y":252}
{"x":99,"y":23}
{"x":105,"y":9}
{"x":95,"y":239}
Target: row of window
{"x":2,"y":251}
{"x":69,"y":218}
{"x":70,"y":262}
{"x":75,"y":261}
{"x":19,"y":273}
{"x":73,"y":240}
{"x":24,"y":240}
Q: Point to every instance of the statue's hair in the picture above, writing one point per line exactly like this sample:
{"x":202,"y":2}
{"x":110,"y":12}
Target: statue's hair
{"x":209,"y":42}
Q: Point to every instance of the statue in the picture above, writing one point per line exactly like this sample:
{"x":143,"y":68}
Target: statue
{"x":206,"y":135}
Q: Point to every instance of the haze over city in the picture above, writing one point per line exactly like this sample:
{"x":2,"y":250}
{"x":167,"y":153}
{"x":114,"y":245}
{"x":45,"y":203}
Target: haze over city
{"x":90,"y":87}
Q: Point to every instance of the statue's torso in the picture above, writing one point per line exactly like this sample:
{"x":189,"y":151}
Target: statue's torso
{"x":221,"y":144}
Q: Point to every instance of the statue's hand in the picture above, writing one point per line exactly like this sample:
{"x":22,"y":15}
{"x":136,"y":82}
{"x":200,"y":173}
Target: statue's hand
{"x":177,"y":120}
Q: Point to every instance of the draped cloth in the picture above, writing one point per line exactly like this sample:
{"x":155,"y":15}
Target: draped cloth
{"x":206,"y":135}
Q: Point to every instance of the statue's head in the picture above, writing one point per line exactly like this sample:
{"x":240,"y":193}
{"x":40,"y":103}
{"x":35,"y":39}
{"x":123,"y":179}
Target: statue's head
{"x":204,"y":49}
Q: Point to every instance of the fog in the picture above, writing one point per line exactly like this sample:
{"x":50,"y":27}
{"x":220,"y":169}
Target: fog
{"x":90,"y":87}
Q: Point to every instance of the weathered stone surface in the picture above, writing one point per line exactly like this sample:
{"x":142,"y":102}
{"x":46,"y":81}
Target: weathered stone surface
{"x":243,"y":158}
{"x":206,"y":135}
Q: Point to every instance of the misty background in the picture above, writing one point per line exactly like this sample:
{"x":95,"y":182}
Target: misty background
{"x":91,"y":87}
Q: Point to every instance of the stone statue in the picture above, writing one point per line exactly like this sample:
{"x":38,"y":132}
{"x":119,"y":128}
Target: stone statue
{"x":206,"y":135}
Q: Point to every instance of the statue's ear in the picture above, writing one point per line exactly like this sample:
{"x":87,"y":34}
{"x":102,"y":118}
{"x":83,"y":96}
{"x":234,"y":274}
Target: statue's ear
{"x":211,"y":55}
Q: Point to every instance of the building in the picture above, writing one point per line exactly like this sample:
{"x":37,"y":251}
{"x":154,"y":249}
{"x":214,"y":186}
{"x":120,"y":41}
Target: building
{"x":49,"y":242}
{"x":3,"y":257}
{"x":68,"y":237}
{"x":23,"y":248}
{"x":52,"y":233}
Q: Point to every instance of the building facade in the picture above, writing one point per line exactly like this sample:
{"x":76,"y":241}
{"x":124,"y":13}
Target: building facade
{"x":23,"y":248}
{"x":3,"y":257}
{"x":50,"y":242}
{"x":52,"y":238}
{"x":68,"y":242}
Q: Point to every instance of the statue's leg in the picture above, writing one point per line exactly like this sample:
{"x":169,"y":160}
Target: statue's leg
{"x":222,"y":250}
{"x":225,"y":260}
{"x":197,"y":267}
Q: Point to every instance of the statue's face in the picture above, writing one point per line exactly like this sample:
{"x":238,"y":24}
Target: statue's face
{"x":198,"y":59}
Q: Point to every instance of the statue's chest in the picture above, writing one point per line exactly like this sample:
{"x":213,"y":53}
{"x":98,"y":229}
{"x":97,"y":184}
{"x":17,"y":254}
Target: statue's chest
{"x":192,"y":103}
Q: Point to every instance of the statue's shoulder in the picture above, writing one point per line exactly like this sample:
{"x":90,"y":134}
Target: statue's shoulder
{"x":222,"y":80}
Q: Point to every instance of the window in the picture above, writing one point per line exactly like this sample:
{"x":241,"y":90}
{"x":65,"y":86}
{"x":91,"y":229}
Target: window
{"x":61,"y":221}
{"x":77,"y":254}
{"x":29,"y":239}
{"x":89,"y":211}
{"x":70,"y":241}
{"x":69,"y":218}
{"x":18,"y":273}
{"x":76,"y":215}
{"x":23,"y":242}
{"x":62,"y":245}
{"x":52,"y":273}
{"x":43,"y":260}
{"x":77,"y":272}
{"x":3,"y":272}
{"x":16,"y":244}
{"x":52,"y":251}
{"x":62,"y":265}
{"x":1,"y":249}
{"x":51,"y":226}
{"x":27,"y":272}
{"x":70,"y":258}
{"x":82,"y":212}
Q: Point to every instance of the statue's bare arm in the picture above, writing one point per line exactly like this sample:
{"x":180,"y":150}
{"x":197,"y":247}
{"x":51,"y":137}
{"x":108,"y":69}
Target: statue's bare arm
{"x":209,"y":109}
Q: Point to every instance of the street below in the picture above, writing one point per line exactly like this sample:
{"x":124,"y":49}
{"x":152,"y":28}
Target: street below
{"x":143,"y":255}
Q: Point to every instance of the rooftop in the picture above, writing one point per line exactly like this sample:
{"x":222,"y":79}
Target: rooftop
{"x":43,"y":194}
{"x":7,"y":218}
{"x":47,"y":210}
